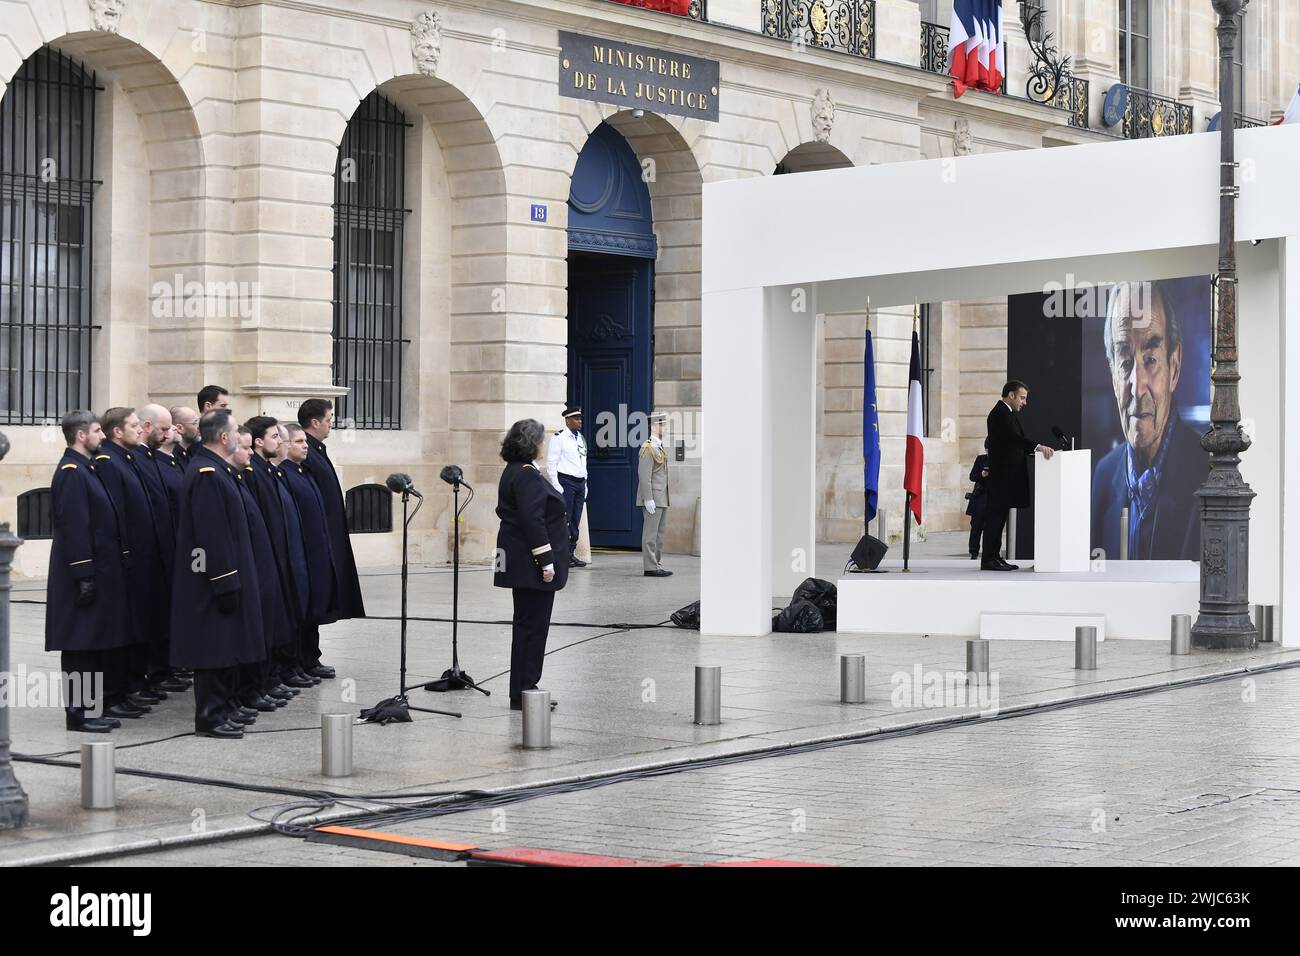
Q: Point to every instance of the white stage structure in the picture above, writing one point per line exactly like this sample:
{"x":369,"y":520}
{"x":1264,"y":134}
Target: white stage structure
{"x":779,"y":250}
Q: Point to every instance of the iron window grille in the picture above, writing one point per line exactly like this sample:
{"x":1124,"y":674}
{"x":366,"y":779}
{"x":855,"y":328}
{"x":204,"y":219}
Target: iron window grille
{"x":36,"y":514}
{"x":369,"y":198}
{"x":47,"y":184}
{"x":369,"y":509}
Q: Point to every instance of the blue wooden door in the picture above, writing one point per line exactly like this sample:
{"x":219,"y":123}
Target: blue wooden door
{"x":609,"y":376}
{"x":612,"y":248}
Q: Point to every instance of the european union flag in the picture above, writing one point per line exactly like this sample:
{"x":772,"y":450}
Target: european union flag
{"x":870,"y":431}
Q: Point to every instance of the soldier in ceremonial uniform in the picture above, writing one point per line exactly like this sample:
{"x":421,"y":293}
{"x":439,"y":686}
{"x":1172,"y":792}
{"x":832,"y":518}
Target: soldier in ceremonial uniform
{"x":652,"y":495}
{"x":257,"y":680}
{"x":186,"y":422}
{"x":316,"y":537}
{"x":162,"y":438}
{"x":212,"y":396}
{"x":217,"y":605}
{"x":268,"y":485}
{"x":87,"y":618}
{"x":566,"y":463}
{"x":316,"y":416}
{"x":149,"y":531}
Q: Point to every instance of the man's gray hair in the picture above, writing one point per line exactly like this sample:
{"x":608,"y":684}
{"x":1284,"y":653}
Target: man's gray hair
{"x":1145,"y":295}
{"x":214,"y":422}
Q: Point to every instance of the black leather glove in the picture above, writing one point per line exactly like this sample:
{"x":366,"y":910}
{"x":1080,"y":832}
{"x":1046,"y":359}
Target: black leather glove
{"x":228,"y":603}
{"x":85,"y":592}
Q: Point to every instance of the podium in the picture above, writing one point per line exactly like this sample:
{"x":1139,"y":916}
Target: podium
{"x":1062,"y":510}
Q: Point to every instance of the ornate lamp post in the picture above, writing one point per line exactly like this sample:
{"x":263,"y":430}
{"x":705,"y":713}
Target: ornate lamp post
{"x":13,"y":802}
{"x":1224,"y":620}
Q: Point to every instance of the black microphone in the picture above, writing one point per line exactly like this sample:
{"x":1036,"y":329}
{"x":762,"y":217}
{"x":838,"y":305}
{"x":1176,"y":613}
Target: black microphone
{"x":400,"y":483}
{"x":1065,"y":439}
{"x":452,"y":475}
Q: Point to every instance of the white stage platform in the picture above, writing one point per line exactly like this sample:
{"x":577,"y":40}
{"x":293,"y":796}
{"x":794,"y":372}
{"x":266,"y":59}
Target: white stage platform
{"x":948,"y":596}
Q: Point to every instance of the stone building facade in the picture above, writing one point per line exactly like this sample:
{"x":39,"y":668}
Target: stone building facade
{"x":212,"y":246}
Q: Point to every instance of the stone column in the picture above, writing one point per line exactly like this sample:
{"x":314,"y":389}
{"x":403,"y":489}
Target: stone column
{"x":13,"y":801}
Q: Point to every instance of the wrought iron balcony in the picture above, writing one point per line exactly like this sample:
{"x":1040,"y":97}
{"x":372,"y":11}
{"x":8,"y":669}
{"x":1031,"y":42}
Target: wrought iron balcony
{"x":1148,"y":115}
{"x":934,"y":47}
{"x":848,"y":26}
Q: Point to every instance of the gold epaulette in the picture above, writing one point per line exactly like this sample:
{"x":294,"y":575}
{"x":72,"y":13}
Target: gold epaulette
{"x":98,"y":457}
{"x":71,"y":464}
{"x":206,"y":468}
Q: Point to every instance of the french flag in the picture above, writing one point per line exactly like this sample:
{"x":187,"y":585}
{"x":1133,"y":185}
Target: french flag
{"x":1292,"y":114}
{"x":977,"y":50}
{"x":914,"y":457}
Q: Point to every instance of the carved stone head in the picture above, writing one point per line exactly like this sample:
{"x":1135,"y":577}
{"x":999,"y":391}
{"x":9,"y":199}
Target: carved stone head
{"x":1229,"y":8}
{"x":426,"y":42}
{"x":823,"y":114}
{"x":107,"y":14}
{"x":961,"y":137}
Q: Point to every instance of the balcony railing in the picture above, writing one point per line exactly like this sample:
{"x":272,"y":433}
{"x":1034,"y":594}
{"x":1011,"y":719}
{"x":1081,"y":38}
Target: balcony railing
{"x":1148,"y":115}
{"x":848,"y":26}
{"x":695,"y":10}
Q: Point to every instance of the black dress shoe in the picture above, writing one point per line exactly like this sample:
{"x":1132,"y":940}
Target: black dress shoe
{"x":174,"y":685}
{"x":659,"y":573}
{"x":125,"y":711}
{"x":91,"y":725}
{"x":975,"y":556}
{"x":280,"y":692}
{"x":263,"y":705}
{"x":577,"y":563}
{"x":239,"y":717}
{"x":144,"y":699}
{"x":323,"y":671}
{"x":226,"y":731}
{"x":300,"y":680}
{"x":1008,"y":567}
{"x":990,"y":566}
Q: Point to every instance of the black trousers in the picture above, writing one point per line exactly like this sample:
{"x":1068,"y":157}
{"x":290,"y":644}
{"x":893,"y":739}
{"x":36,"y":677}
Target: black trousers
{"x":575,"y":496}
{"x":531,"y":624}
{"x":309,"y":646}
{"x":101,"y":680}
{"x":995,"y":523}
{"x":213,"y":690}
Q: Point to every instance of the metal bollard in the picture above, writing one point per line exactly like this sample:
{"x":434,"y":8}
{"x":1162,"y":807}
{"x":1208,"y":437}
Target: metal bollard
{"x":708,"y":695}
{"x":1265,"y":622}
{"x":537,"y":719}
{"x":98,"y":780}
{"x":882,"y":525}
{"x":853,"y":679}
{"x":1180,"y":634}
{"x":1085,"y":648}
{"x":1123,"y":534}
{"x":977,"y":661}
{"x":336,"y":745}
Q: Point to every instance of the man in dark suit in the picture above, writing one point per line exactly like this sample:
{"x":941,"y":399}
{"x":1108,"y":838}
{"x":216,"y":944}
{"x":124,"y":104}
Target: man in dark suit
{"x":186,"y":422}
{"x":87,"y":617}
{"x":217,"y":607}
{"x":316,"y":416}
{"x":1156,"y":471}
{"x":1008,"y":481}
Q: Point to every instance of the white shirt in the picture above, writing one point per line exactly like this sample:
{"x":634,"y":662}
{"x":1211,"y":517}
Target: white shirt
{"x":566,"y":453}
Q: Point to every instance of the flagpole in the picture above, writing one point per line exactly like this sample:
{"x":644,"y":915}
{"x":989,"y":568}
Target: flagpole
{"x":866,"y":492}
{"x":907,"y":529}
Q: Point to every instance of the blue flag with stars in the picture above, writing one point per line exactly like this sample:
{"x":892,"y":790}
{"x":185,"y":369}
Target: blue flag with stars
{"x":870,"y":431}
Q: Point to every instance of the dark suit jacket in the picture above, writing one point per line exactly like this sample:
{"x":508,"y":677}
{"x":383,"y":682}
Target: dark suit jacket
{"x":534,"y":530}
{"x":1176,"y":512}
{"x":1009,"y":451}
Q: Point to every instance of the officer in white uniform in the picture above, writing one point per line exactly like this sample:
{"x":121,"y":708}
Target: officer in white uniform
{"x":566,"y":463}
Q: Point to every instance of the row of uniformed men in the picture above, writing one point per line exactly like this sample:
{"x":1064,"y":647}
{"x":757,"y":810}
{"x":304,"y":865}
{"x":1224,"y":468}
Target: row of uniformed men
{"x":186,"y":545}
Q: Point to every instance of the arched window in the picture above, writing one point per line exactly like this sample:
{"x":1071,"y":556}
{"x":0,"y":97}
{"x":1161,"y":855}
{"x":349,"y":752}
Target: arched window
{"x":47,"y":180}
{"x":369,"y":197}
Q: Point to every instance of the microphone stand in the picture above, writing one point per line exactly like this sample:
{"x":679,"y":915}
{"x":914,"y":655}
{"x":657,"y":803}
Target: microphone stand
{"x":397,"y":709}
{"x":454,"y":678}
